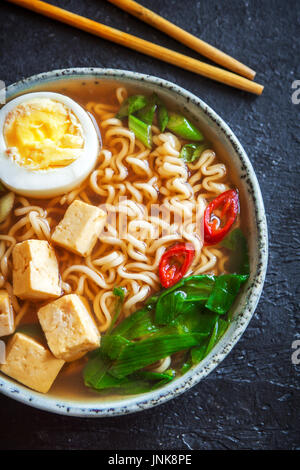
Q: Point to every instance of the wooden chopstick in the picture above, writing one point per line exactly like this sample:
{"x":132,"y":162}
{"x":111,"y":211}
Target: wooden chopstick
{"x":183,"y":36}
{"x":137,"y":44}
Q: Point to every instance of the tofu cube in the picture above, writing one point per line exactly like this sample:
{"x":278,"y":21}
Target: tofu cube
{"x":7,"y":321}
{"x":35,"y":271}
{"x":31,"y":363}
{"x":79,"y":229}
{"x":69,"y":327}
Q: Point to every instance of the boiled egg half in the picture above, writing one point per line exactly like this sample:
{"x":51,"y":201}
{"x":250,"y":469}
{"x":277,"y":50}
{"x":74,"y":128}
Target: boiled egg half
{"x":48,"y":144}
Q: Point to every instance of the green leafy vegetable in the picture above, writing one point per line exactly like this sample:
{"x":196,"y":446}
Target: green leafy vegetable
{"x":141,"y":130}
{"x":191,"y":152}
{"x":182,"y":127}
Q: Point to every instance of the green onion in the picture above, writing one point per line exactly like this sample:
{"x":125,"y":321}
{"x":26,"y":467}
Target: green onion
{"x":191,"y":152}
{"x":190,"y":311}
{"x":167,"y":375}
{"x":216,"y":293}
{"x":162,"y":113}
{"x":182,"y":127}
{"x":198,"y":353}
{"x":131,"y":105}
{"x":213,"y":338}
{"x":168,"y":306}
{"x":162,"y":117}
{"x":139,"y":382}
{"x":129,"y":323}
{"x":142,"y":327}
{"x":140,"y":354}
{"x":224,"y":292}
{"x":120,"y":292}
{"x":112,"y":345}
{"x":141,"y":130}
{"x":96,"y":369}
{"x":197,"y":321}
{"x":146,"y":114}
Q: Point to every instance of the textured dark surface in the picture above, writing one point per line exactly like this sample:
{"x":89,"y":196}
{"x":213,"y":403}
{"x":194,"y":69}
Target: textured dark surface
{"x":251,"y":401}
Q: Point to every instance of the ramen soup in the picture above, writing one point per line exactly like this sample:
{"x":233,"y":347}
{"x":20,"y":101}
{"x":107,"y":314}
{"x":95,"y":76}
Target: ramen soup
{"x":121,"y":248}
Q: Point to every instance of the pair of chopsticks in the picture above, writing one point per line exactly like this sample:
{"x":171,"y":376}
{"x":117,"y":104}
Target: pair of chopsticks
{"x":154,"y":50}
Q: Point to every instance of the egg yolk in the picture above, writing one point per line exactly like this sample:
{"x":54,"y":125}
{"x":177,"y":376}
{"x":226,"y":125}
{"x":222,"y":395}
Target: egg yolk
{"x":42,"y":133}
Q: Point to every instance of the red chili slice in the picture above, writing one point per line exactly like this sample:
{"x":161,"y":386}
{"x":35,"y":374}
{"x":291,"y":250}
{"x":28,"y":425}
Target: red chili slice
{"x":174,"y":263}
{"x":215,"y":228}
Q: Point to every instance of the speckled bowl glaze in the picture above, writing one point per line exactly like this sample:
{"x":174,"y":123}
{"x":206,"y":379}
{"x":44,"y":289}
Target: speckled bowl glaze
{"x":252,"y":203}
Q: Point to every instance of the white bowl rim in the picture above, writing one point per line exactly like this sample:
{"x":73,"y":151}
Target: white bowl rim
{"x":193,"y":376}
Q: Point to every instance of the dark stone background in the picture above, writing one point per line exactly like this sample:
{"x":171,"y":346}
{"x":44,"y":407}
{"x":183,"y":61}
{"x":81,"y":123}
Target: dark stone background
{"x":251,"y":401}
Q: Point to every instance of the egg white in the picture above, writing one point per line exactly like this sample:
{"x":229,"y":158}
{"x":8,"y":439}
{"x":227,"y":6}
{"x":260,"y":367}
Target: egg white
{"x":55,"y":181}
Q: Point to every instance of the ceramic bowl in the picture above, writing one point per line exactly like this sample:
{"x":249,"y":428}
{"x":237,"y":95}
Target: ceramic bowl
{"x":235,"y":156}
